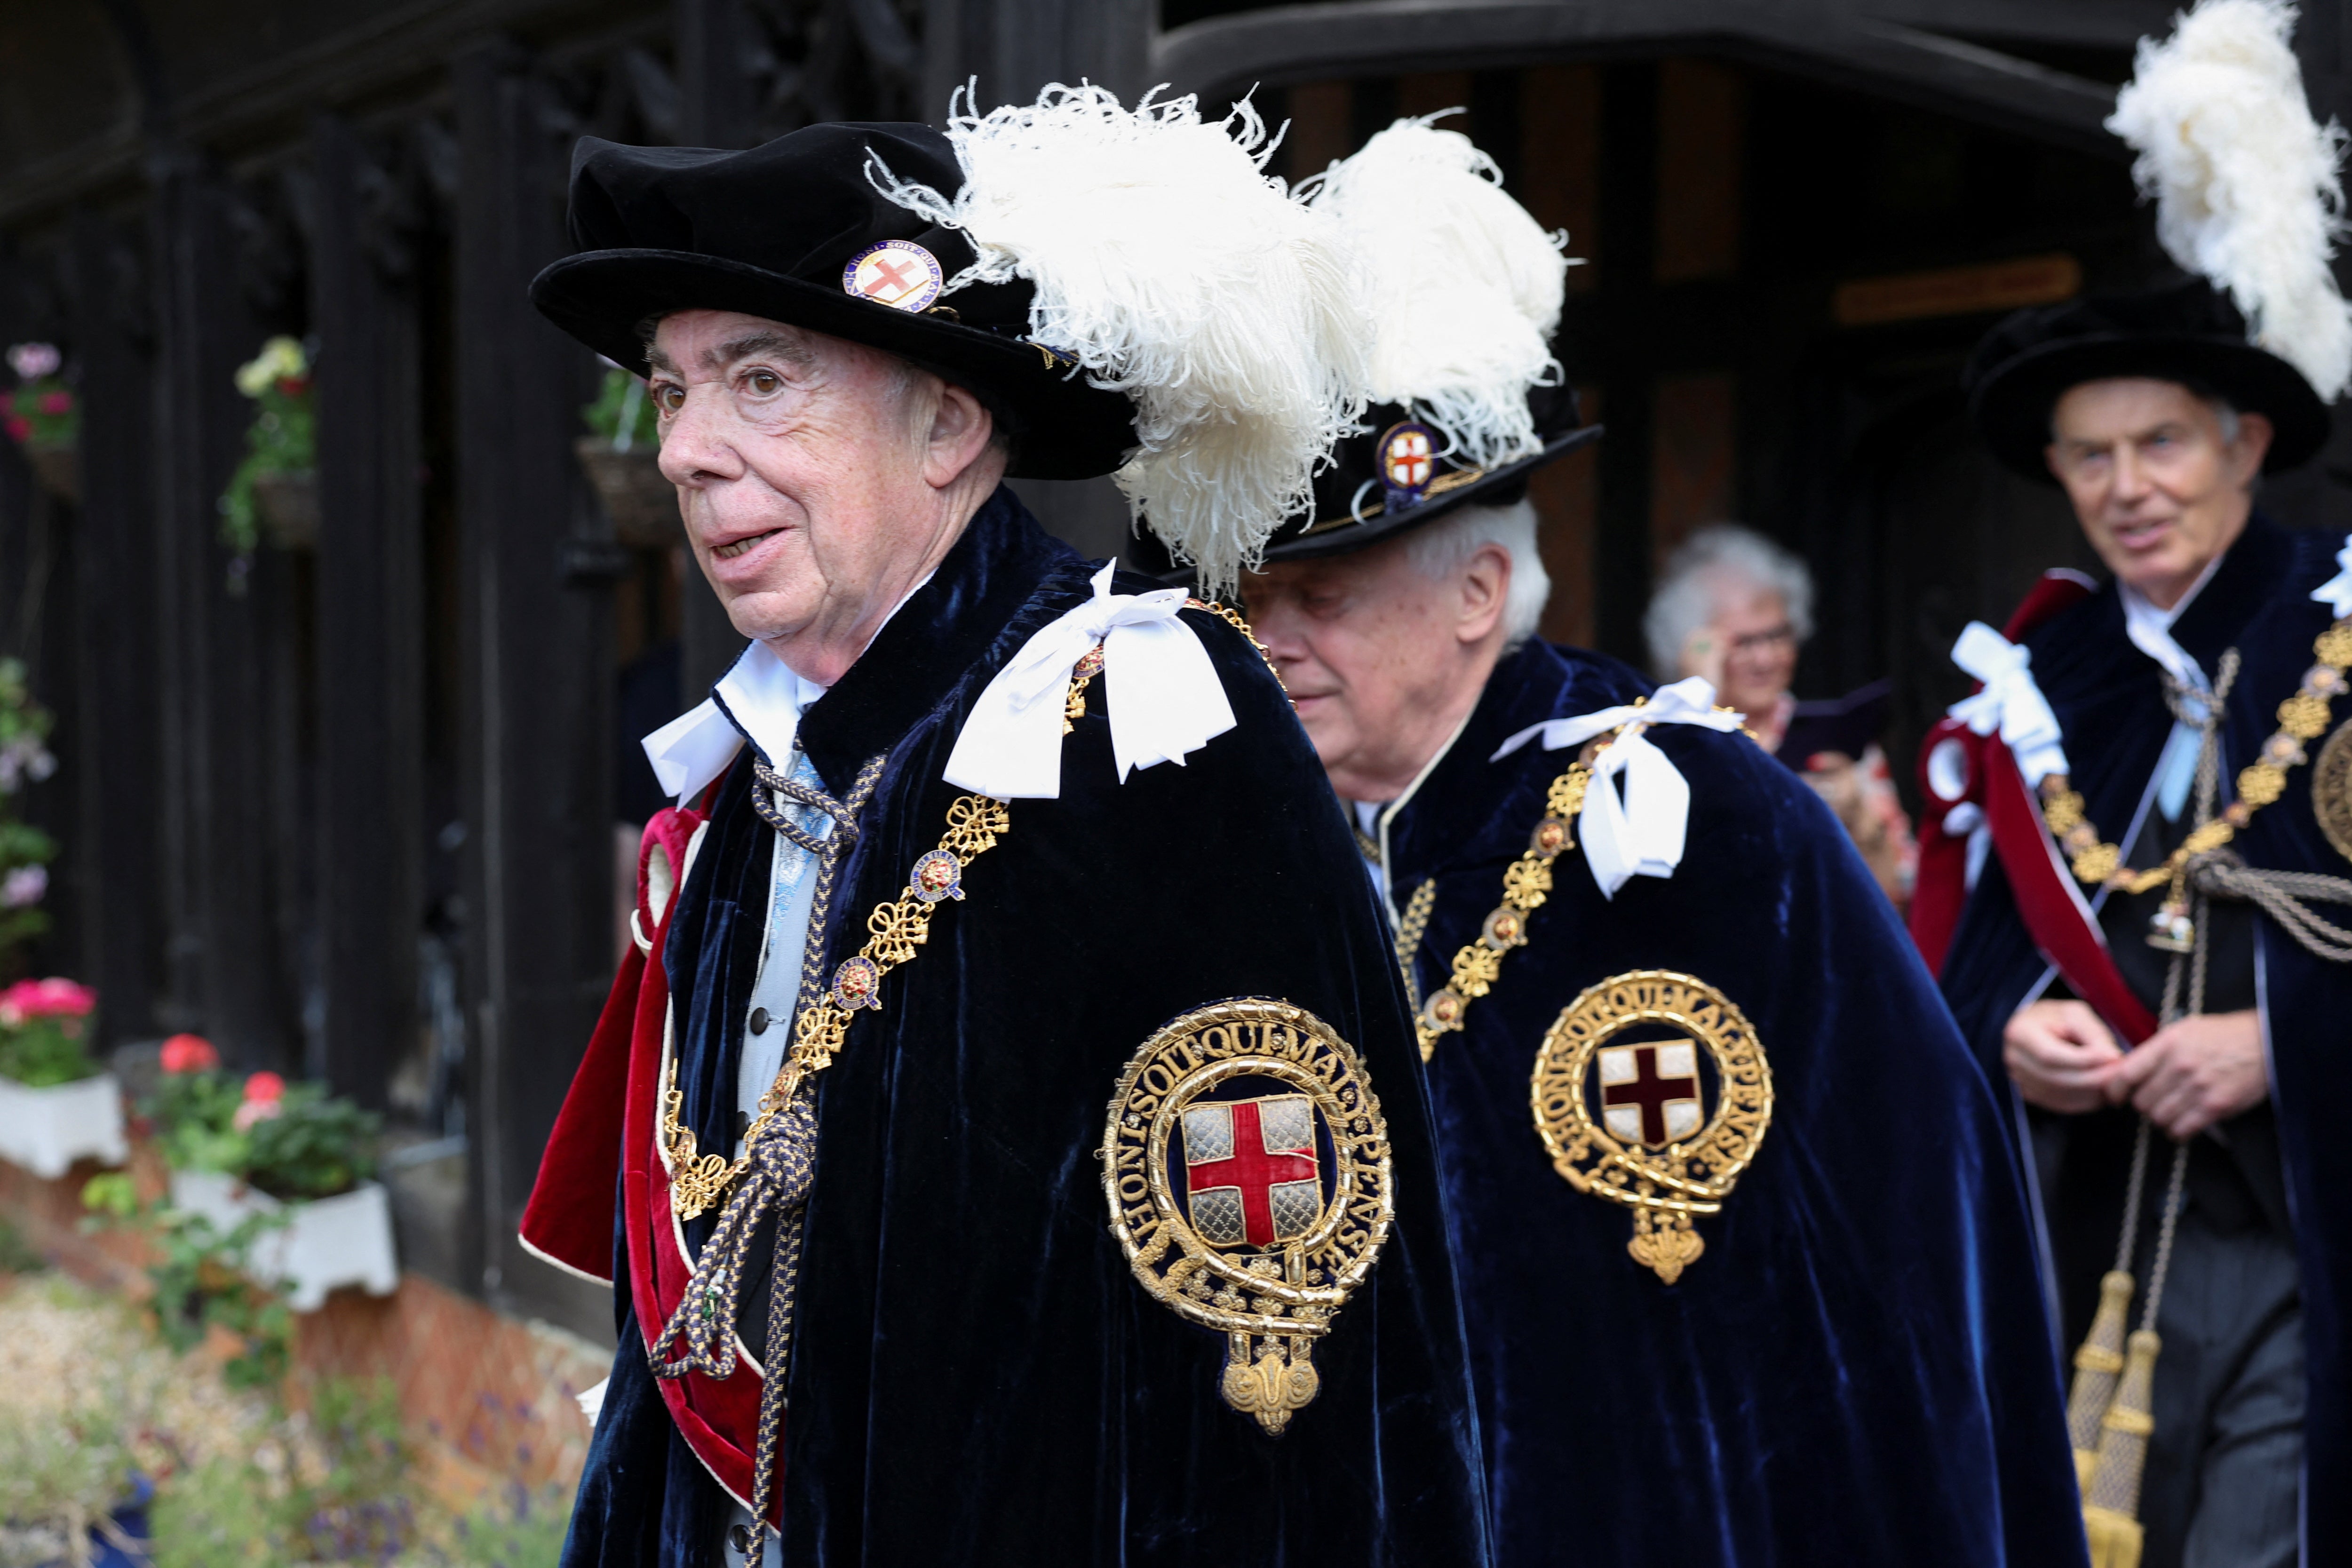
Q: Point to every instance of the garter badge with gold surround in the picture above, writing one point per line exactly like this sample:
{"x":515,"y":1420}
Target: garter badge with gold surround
{"x":2331,"y":789}
{"x":1622,"y":1090}
{"x":1246,"y":1167}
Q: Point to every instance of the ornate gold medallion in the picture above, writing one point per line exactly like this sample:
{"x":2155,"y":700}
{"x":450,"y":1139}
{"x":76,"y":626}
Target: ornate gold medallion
{"x":2331,"y":789}
{"x":1621,"y":1091}
{"x":1246,"y":1167}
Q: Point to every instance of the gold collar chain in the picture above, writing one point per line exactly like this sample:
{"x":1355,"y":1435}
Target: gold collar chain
{"x":895,"y":930}
{"x":1527,"y":882}
{"x":2302,"y":717}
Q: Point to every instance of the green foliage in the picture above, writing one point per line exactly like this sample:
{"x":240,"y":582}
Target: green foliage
{"x":282,"y":440}
{"x":195,"y":1116}
{"x":43,"y":413}
{"x":316,"y":1146}
{"x":220,"y":1514}
{"x":203,"y":1279}
{"x":18,"y":1255}
{"x":25,"y":850}
{"x":41,"y":1052}
{"x":622,"y":416}
{"x":355,"y":1511}
{"x":523,"y":1529}
{"x":58,"y":1474}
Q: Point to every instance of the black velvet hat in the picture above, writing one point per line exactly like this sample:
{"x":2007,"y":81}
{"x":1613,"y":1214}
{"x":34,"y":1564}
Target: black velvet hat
{"x":2189,"y":332}
{"x":796,"y":231}
{"x":1395,"y":477}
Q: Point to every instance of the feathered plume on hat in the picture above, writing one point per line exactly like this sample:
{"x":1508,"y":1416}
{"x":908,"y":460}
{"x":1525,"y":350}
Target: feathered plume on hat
{"x":1171,"y":268}
{"x":1464,"y":286}
{"x":2247,"y":186}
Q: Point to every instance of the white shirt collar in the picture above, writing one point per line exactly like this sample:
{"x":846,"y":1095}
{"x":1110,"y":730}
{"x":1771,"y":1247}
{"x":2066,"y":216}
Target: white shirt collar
{"x":762,"y":699}
{"x":2150,"y":629}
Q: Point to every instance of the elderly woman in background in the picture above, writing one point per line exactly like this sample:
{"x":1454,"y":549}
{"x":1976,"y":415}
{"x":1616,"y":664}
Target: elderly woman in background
{"x":1733,"y":607}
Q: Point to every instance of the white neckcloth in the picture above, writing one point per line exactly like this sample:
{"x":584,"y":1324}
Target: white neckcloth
{"x":1163,"y":693}
{"x":1641,"y":835}
{"x":2336,"y":592}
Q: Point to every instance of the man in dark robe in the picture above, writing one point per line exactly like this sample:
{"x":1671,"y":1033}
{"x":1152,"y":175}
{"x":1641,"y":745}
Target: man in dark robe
{"x":2137,"y":824}
{"x":1019,"y":1149}
{"x":1746,"y":1259}
{"x":2134,"y":984}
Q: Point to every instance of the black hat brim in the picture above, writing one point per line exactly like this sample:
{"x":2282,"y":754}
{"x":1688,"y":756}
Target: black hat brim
{"x":1069,"y":428}
{"x":1341,"y":536}
{"x":2012,"y":405}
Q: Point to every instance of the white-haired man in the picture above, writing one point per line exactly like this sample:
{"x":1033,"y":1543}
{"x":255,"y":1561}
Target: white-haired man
{"x":927,"y":902}
{"x":1649,"y":970}
{"x":2138,"y":822}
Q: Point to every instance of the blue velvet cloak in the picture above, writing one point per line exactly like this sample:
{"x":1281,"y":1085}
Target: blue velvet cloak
{"x":2109,"y":702}
{"x":977,"y":1377}
{"x":1855,"y":1370}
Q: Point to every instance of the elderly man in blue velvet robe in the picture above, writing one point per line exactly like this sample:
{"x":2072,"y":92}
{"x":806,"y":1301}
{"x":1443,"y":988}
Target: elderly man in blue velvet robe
{"x":1000,"y":1176}
{"x":1746,"y":1259}
{"x":2151,"y":794}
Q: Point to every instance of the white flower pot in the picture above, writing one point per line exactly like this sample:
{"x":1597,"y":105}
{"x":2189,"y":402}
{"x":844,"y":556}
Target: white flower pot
{"x":343,"y":1240}
{"x":46,"y":1129}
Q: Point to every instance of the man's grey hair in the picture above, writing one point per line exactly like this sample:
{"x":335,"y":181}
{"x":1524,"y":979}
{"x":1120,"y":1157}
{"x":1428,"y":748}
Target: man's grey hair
{"x":1443,"y":548}
{"x":1720,"y":556}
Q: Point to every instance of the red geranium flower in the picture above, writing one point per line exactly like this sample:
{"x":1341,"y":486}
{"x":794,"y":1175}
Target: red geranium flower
{"x":56,"y":997}
{"x":17,"y":426}
{"x":189,"y":1053}
{"x":266,"y":1087}
{"x":57,"y":402}
{"x":293,"y":385}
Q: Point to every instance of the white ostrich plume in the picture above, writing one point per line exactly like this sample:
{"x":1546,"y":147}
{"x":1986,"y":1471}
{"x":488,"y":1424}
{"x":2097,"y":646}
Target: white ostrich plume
{"x":1173,"y":269}
{"x":1464,"y":286}
{"x":2247,"y":186}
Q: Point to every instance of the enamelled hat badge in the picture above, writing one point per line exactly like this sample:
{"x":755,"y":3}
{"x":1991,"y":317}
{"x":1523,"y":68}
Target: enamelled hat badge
{"x":1623,"y":1090}
{"x":895,"y":272}
{"x":1246,"y":1167}
{"x":1408,"y":457}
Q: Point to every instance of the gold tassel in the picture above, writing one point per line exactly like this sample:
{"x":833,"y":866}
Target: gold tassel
{"x":2111,"y":1502}
{"x":2096,"y":1366}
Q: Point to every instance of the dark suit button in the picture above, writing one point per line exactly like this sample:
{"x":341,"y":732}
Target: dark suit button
{"x":759,"y":1020}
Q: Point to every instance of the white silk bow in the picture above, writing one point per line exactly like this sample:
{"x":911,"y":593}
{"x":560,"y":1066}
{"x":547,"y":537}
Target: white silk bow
{"x":2336,"y":592}
{"x":1643,"y":835}
{"x":1163,"y":693}
{"x":2009,"y":703}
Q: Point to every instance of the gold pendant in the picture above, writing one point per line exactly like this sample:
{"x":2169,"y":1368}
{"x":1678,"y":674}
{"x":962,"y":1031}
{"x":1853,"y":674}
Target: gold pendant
{"x":2331,"y":789}
{"x":1629,"y":1120}
{"x":2171,"y":929}
{"x":1245,"y":1163}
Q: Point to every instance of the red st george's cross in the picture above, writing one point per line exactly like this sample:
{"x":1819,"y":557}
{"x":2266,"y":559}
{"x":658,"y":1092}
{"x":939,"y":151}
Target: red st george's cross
{"x":897,"y":277}
{"x":1650,"y":1092}
{"x":1409,"y":460}
{"x":1253,"y":1169}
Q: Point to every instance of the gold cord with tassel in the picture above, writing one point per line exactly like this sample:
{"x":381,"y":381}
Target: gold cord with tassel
{"x":2110,"y":1413}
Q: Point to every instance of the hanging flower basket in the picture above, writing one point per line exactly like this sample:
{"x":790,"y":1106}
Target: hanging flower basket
{"x":287,"y":506}
{"x":45,"y":1130}
{"x":642,"y":504}
{"x":326,"y":1242}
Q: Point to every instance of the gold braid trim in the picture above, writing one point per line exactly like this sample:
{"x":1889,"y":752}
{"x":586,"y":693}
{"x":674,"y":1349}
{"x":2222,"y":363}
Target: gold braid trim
{"x":2302,"y":717}
{"x":895,"y":929}
{"x":1527,"y":881}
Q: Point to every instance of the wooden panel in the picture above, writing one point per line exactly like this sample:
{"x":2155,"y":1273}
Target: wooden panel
{"x":1427,"y":92}
{"x":1957,"y":291}
{"x":1322,"y":114}
{"x":1695,"y":457}
{"x":117,"y":763}
{"x":539,"y":658}
{"x":1567,"y":495}
{"x":1701,"y":110}
{"x":1559,"y":111}
{"x":371,"y":653}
